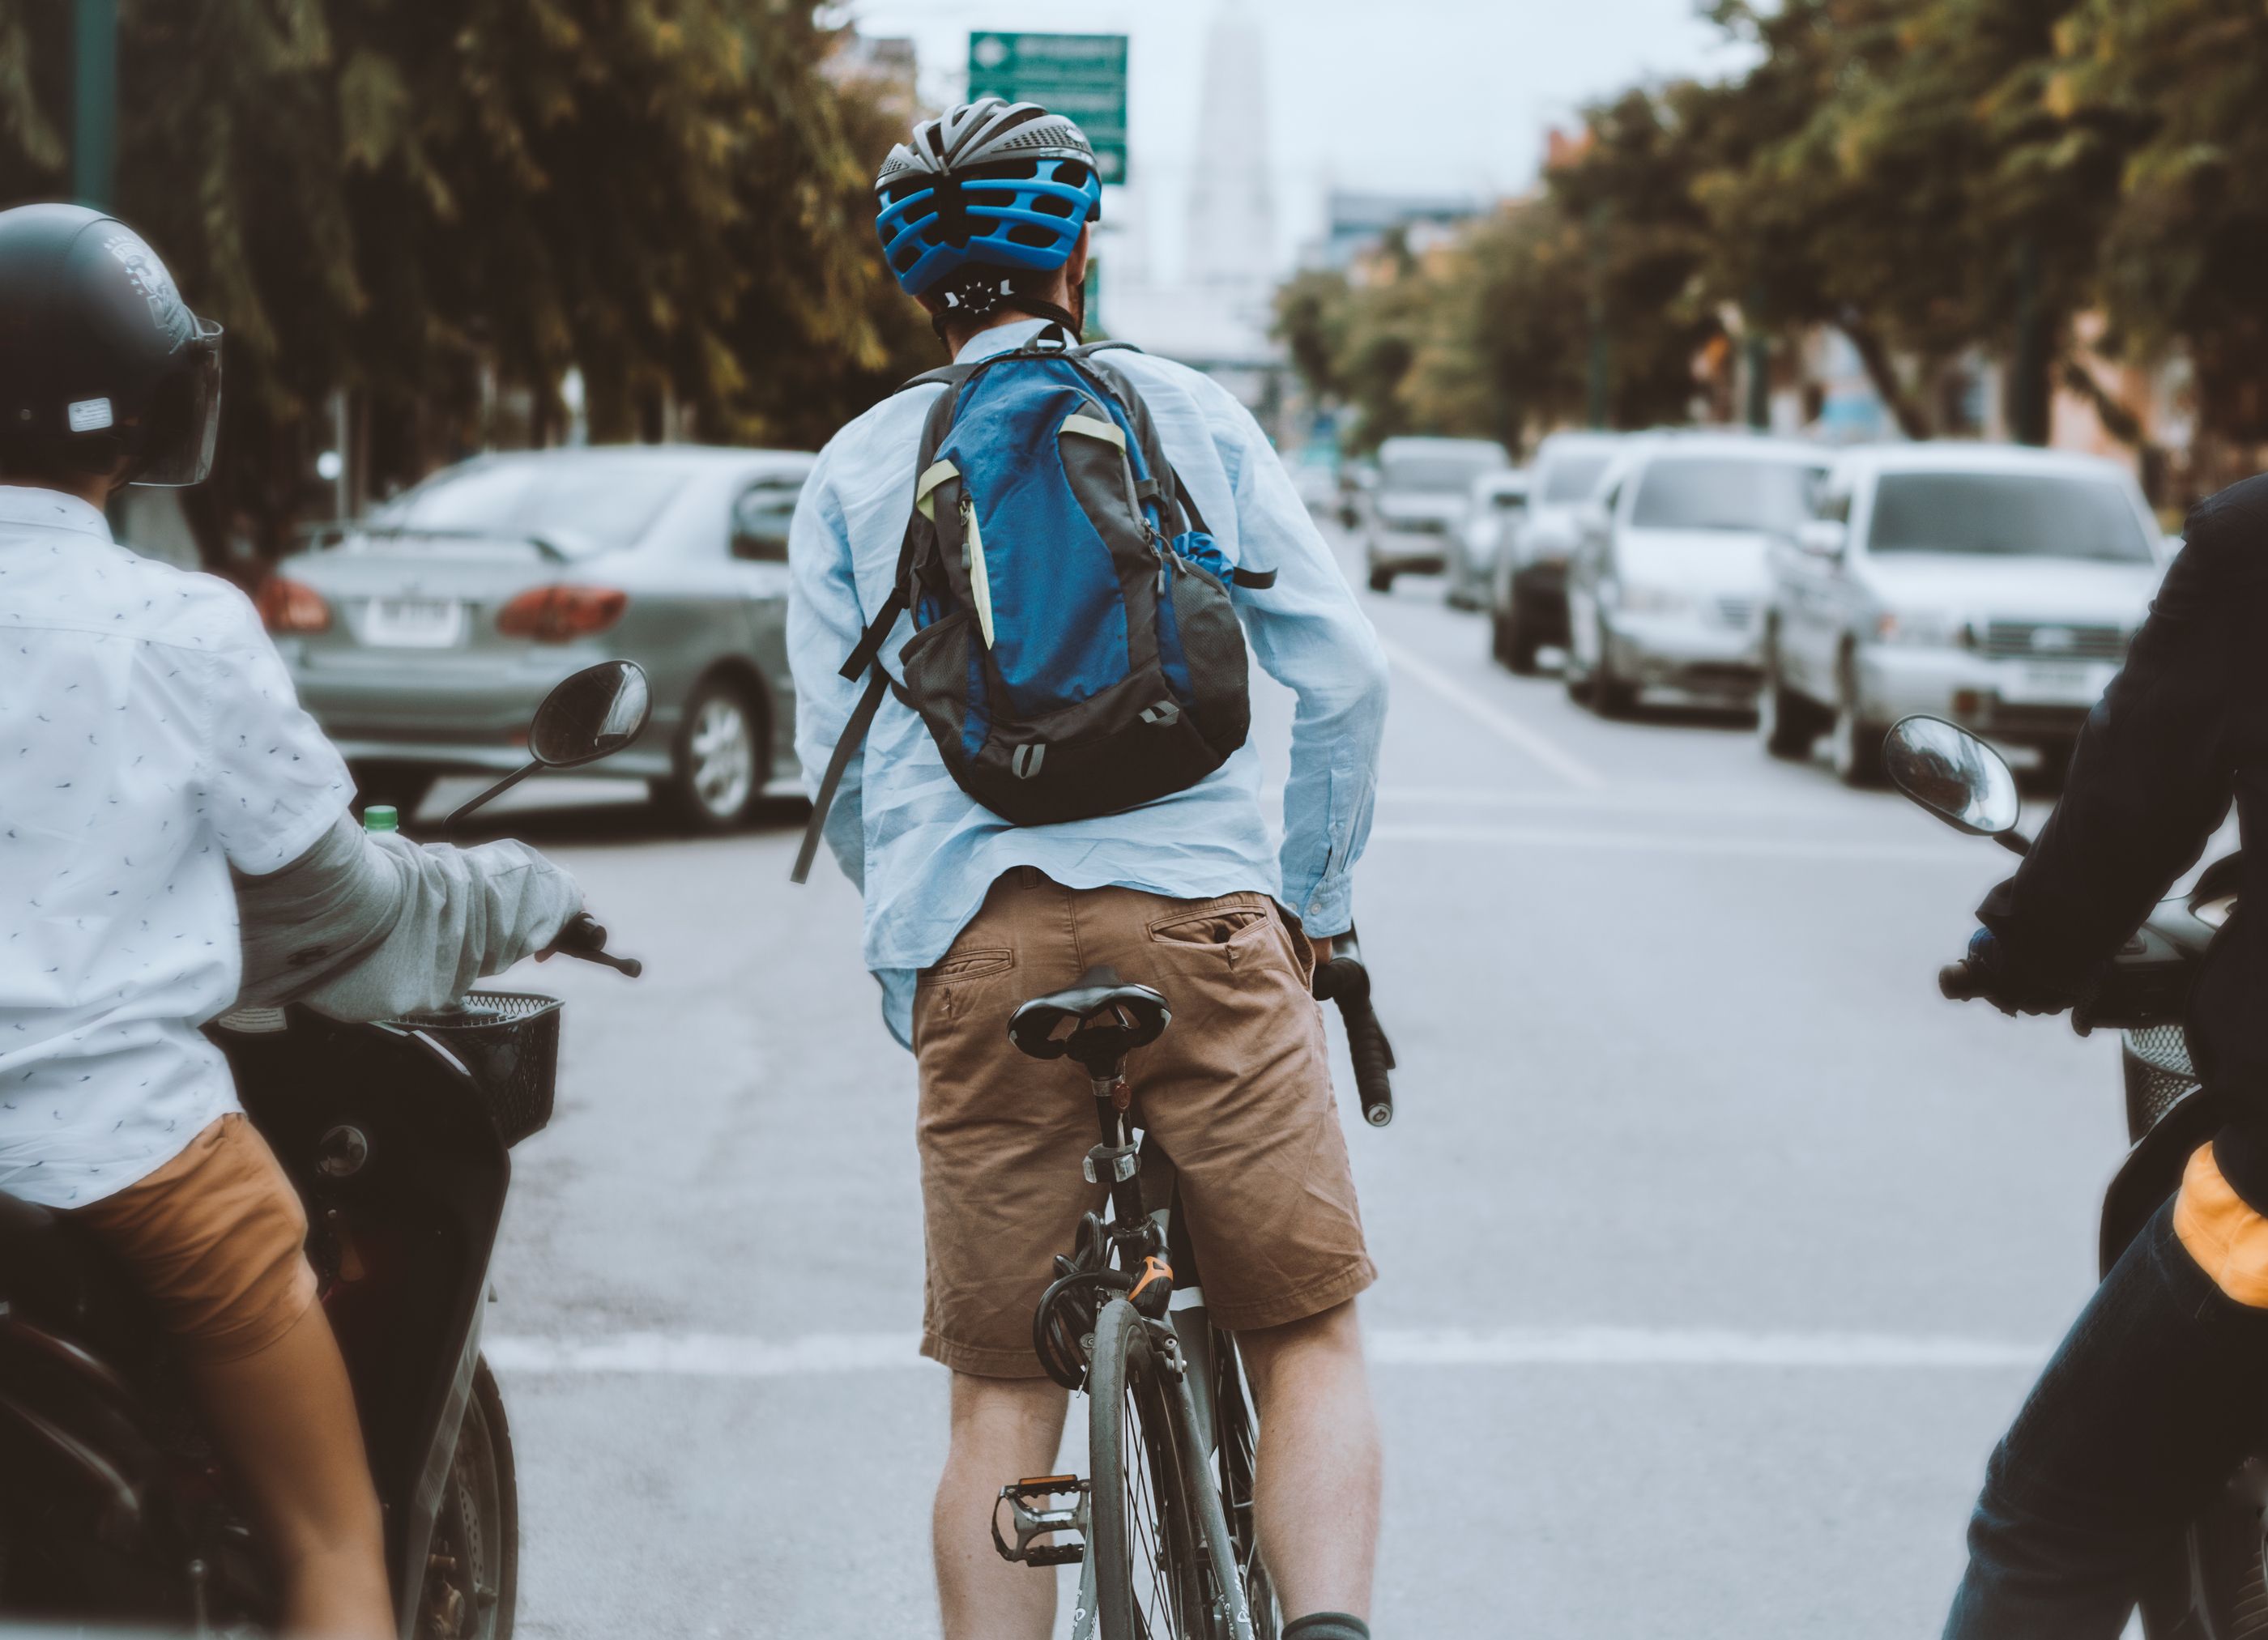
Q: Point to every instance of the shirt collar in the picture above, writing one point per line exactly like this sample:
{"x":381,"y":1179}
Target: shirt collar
{"x":999,"y":339}
{"x":50,"y":508}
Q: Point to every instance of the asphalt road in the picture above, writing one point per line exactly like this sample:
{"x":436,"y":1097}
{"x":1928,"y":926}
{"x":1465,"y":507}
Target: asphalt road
{"x":1717,"y":1250}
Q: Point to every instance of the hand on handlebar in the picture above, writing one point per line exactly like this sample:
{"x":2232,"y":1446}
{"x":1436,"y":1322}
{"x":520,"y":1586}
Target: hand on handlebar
{"x":1986,"y":974}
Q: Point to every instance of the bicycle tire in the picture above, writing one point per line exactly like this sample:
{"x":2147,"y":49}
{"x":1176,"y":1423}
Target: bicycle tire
{"x":1160,"y":1540}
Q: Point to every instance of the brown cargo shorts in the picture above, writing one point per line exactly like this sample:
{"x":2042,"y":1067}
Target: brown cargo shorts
{"x":1238,"y":1092}
{"x":218,"y":1240}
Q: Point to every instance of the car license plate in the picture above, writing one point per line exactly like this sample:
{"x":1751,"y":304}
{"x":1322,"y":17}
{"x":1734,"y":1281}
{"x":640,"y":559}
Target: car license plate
{"x":412,"y":623}
{"x":2054,"y":683}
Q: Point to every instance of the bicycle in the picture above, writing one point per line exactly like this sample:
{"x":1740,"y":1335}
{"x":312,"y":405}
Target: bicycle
{"x":1165,"y":1538}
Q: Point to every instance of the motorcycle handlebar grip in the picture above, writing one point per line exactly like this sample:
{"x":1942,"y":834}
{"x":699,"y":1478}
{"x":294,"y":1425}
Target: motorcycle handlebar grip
{"x":1957,"y":982}
{"x":584,"y":939}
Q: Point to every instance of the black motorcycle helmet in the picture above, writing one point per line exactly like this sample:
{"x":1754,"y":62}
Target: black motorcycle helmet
{"x":103,"y":367}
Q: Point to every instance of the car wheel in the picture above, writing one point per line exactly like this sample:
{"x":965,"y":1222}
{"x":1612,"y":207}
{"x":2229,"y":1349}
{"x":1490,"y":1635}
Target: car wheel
{"x":720,"y":758}
{"x":1856,"y":743}
{"x":1521,"y":650}
{"x":1381,"y":579}
{"x":1786,"y":722}
{"x":1612,"y":696}
{"x":1500,"y":638}
{"x":402,"y":786}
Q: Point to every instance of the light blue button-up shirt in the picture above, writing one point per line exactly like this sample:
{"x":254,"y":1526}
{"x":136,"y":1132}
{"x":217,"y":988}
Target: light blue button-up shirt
{"x":924,"y":853}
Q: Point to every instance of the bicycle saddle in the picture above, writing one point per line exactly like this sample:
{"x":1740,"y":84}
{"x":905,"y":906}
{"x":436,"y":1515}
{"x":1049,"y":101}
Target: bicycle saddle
{"x":1108,"y":1020}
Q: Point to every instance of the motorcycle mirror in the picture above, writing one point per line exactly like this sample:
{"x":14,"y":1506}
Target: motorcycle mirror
{"x":591,"y":714}
{"x":1953,"y":774}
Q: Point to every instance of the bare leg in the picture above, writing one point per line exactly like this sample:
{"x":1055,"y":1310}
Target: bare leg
{"x":285,"y":1418}
{"x":1318,"y":1482}
{"x":1004,"y":1430}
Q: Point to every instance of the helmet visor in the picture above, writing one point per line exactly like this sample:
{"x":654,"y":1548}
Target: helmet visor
{"x":184,"y":418}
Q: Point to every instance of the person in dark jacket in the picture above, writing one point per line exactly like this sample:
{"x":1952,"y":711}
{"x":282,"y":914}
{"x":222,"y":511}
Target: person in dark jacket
{"x":2161,"y":1389}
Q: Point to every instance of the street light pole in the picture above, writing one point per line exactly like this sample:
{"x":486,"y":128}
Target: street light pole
{"x":95,"y":103}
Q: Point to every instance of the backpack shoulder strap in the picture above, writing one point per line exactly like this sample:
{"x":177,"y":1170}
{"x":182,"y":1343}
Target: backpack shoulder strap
{"x":1153,"y":453}
{"x":867,"y":654}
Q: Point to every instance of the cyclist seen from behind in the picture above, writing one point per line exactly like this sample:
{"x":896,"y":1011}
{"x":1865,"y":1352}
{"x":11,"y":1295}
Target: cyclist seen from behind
{"x":1038,"y":564}
{"x":175,"y":837}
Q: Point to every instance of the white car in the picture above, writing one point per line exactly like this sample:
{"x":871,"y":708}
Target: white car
{"x":1493,"y":510}
{"x":1994,"y":585}
{"x":1417,"y":500}
{"x":1667,"y":585}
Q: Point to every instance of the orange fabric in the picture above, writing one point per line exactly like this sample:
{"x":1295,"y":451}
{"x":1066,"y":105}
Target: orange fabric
{"x":218,"y":1240}
{"x":2221,"y":1232}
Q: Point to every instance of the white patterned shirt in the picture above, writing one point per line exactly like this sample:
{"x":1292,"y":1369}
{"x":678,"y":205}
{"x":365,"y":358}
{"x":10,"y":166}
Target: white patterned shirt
{"x":149,"y":738}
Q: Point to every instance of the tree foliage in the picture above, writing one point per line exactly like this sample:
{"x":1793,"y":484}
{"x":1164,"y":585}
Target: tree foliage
{"x":1934,"y":178}
{"x":436,"y":205}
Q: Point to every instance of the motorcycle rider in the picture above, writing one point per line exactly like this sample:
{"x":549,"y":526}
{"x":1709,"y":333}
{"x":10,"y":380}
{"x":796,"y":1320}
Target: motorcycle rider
{"x":967,"y":915}
{"x":2157,"y":1393}
{"x":153,"y":747}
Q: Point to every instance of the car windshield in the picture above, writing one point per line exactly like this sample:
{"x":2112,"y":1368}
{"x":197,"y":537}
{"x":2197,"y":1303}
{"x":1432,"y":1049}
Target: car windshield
{"x":1436,"y":473}
{"x":1724,"y":493}
{"x":2007,"y":515}
{"x":1571,"y":477}
{"x":578,"y":509}
{"x":1509,"y":500}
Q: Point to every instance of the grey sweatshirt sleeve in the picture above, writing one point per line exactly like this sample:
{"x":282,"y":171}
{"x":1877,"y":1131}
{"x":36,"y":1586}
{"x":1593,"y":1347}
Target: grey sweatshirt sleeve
{"x":368,"y":925}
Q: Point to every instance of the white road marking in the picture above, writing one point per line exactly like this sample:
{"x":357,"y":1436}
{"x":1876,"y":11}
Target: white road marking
{"x":1494,"y":718}
{"x":1638,"y":843}
{"x":713,"y":1355}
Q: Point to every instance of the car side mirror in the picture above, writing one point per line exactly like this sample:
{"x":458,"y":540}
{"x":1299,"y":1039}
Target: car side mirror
{"x":761,"y":518}
{"x":1823,"y":538}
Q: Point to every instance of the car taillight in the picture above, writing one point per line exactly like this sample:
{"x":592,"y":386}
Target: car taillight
{"x":553,"y":614}
{"x":287,"y":605}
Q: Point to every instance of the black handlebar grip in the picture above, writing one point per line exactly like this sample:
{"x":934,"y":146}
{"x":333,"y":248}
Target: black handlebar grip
{"x":584,"y":939}
{"x":1374,"y":1058}
{"x":1957,"y":982}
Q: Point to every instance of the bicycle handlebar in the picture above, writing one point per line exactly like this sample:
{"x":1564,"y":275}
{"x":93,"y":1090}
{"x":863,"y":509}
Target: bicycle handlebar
{"x":585,"y":939}
{"x":1346,"y":981}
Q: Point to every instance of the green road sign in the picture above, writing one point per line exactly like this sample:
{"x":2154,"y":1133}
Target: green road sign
{"x":1083,"y":76}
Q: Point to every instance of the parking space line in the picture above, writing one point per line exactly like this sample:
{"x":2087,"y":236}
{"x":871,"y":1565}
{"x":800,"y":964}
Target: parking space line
{"x":1494,"y":718}
{"x":723,"y":1356}
{"x":1638,"y":843}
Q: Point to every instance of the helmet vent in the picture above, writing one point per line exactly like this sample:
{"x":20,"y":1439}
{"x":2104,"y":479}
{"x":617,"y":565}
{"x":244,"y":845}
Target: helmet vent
{"x":1039,"y":238}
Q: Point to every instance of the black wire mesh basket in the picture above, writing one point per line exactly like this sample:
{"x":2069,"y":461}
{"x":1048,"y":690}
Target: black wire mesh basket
{"x":2159,"y":1075}
{"x":509,"y":1042}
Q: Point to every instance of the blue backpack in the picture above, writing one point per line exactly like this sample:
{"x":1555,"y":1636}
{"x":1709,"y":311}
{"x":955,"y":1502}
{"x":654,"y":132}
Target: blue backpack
{"x":1076,"y":649}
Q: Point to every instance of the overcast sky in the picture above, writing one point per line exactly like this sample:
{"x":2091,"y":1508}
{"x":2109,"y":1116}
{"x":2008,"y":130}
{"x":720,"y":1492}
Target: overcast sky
{"x":1449,"y":96}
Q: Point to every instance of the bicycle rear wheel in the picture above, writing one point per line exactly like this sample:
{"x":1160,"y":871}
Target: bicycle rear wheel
{"x":1165,"y":1565}
{"x":1236,"y":1441}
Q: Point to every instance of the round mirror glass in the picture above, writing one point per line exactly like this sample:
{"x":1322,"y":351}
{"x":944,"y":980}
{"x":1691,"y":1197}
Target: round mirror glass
{"x":593,"y":714}
{"x":1953,"y":774}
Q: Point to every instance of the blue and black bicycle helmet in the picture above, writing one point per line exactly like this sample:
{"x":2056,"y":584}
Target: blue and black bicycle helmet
{"x":991,"y":186}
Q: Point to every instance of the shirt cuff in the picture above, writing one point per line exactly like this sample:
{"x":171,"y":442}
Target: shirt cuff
{"x":1328,"y":910}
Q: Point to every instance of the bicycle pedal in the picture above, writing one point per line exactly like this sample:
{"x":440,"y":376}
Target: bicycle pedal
{"x":1029,"y":1521}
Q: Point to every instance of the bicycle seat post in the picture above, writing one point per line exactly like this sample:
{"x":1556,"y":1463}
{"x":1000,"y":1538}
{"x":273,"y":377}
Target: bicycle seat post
{"x":1107,"y":1021}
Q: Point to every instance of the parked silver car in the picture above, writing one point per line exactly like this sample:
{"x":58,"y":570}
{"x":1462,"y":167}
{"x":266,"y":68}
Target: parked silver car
{"x":422,"y":637}
{"x":1494,"y":508}
{"x":1991,"y":585}
{"x":1667,"y":588}
{"x":1528,"y":585}
{"x":1418,"y":496}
